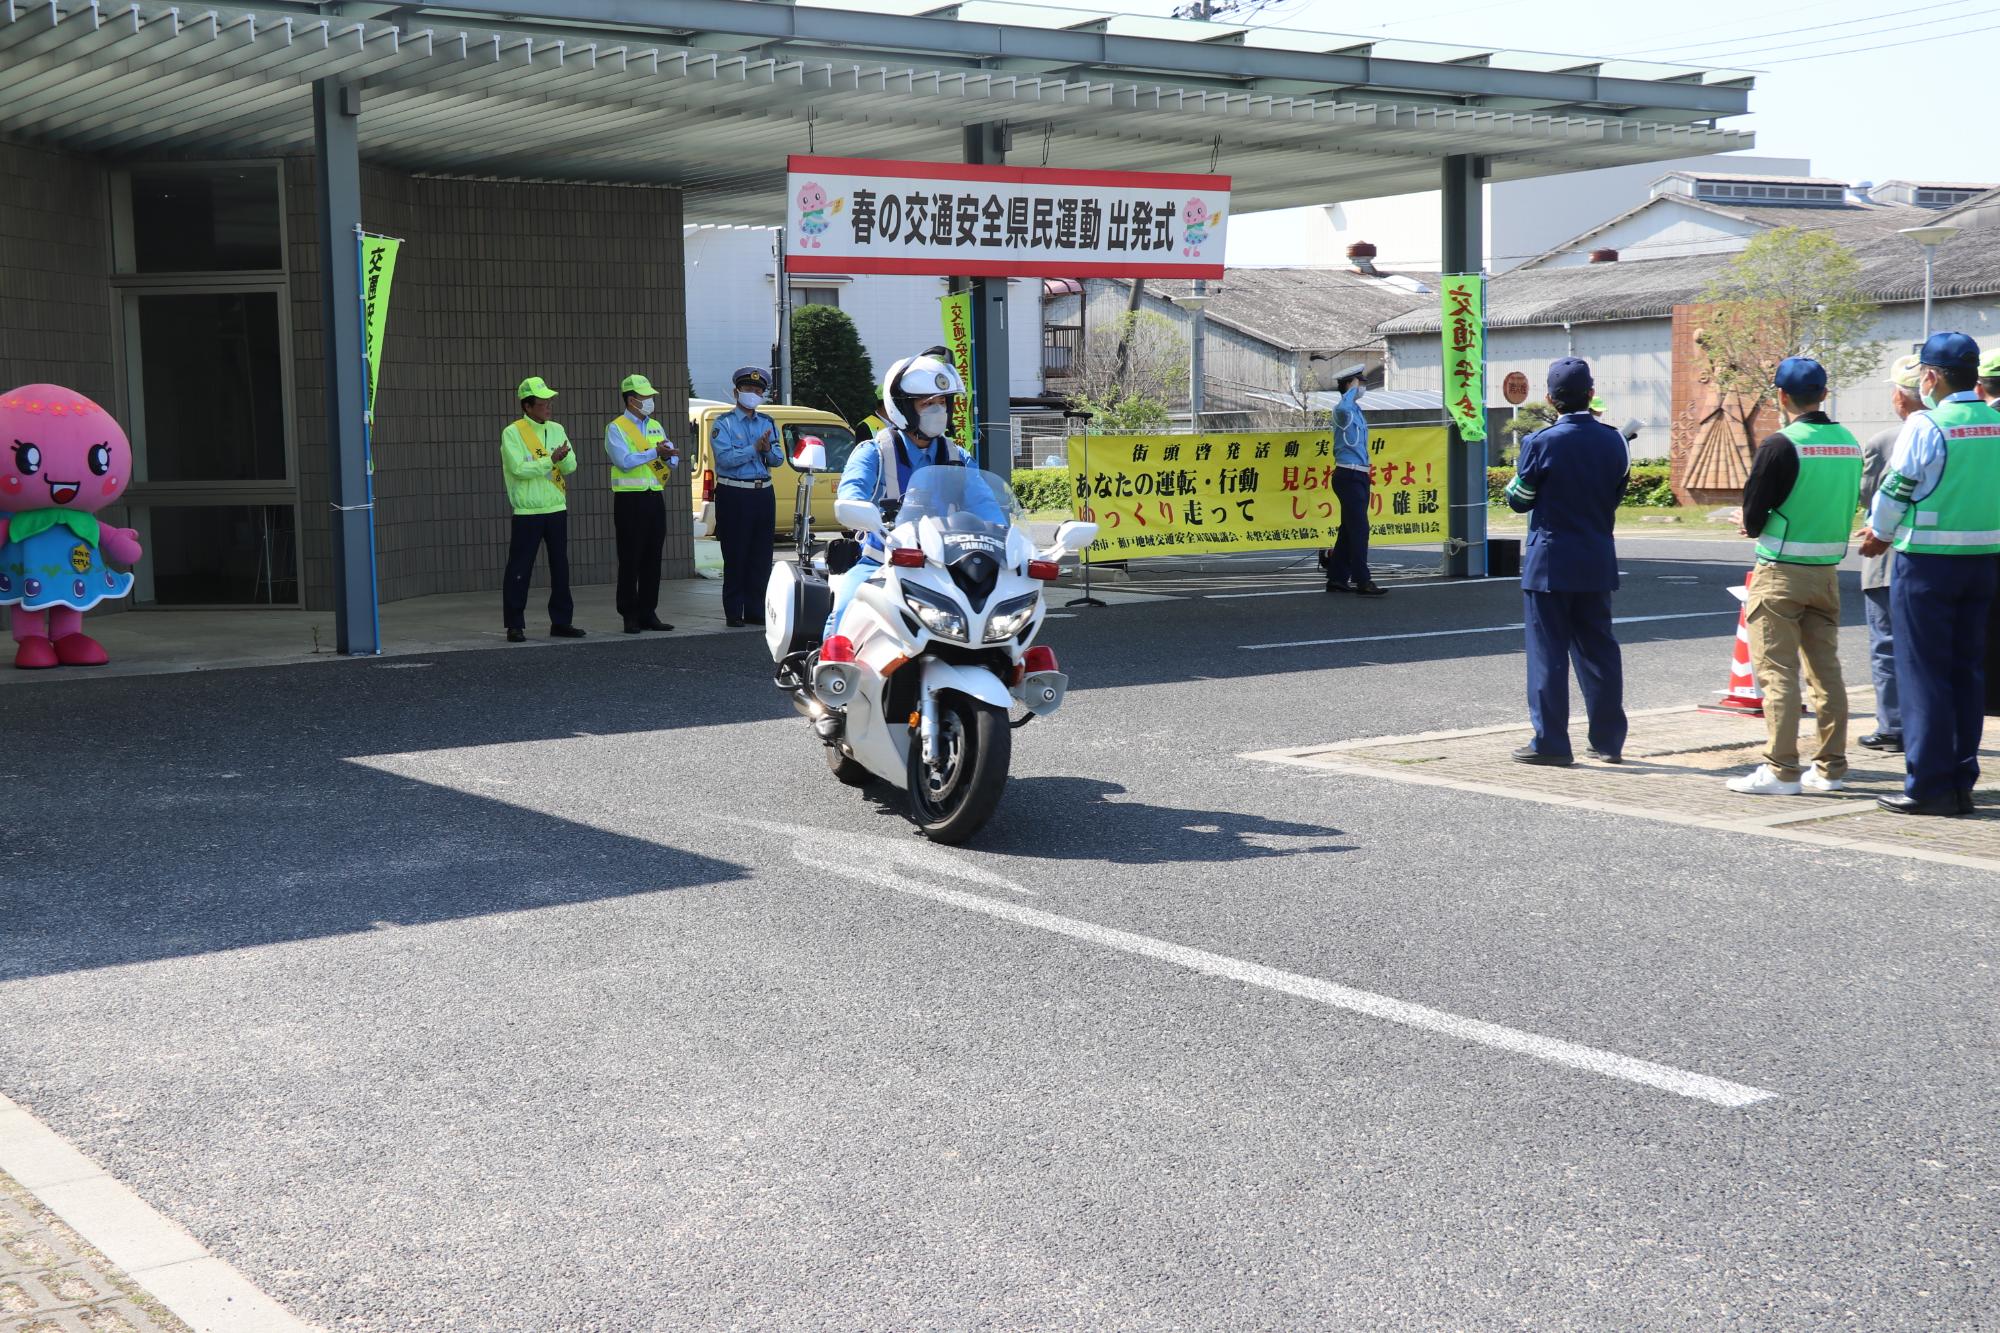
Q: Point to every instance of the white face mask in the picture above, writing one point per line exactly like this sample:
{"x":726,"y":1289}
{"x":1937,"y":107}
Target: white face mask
{"x":645,"y":407}
{"x":934,"y":420}
{"x":749,"y":401}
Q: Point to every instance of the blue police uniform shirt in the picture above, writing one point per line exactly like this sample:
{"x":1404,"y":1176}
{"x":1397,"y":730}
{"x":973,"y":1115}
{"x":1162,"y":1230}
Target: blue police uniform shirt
{"x":734,"y":438}
{"x":1568,"y":481}
{"x":1350,"y":448}
{"x":861,"y":479}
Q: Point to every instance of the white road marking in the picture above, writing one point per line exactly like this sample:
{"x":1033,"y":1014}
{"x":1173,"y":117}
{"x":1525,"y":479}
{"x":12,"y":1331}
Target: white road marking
{"x":1447,"y":633}
{"x":155,"y":1251}
{"x":1610,"y":1064}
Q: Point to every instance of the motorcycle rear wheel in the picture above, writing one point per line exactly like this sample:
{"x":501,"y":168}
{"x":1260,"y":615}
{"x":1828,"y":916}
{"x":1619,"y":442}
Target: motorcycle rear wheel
{"x":952,"y":802}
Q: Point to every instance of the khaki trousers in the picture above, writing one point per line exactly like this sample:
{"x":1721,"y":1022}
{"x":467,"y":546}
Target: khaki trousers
{"x":1794,"y":611}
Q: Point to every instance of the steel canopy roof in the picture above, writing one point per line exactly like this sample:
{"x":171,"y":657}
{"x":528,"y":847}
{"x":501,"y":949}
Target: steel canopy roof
{"x":712,"y":95}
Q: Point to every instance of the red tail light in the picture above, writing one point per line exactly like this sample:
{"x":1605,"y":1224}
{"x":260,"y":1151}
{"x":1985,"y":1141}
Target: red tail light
{"x":1041,"y":657}
{"x":839,"y":648}
{"x":907,"y":557}
{"x":708,"y":485}
{"x":1046,"y":570}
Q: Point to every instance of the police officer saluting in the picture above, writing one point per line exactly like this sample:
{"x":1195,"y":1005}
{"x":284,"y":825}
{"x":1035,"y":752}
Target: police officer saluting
{"x":1939,"y":506}
{"x":1799,"y":504}
{"x":1568,"y":481}
{"x":641,"y":457}
{"x":746,"y":447}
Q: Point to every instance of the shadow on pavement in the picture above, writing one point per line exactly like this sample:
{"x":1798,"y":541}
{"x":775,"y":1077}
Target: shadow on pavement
{"x":1078,"y":819}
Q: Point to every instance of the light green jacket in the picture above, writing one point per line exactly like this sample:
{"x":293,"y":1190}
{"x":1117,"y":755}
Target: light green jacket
{"x":535,"y":485}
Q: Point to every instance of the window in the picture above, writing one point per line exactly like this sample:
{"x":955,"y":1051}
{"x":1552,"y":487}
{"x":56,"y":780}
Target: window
{"x":221,"y":555}
{"x":839,"y":442}
{"x":220,"y":219}
{"x":212,"y":400}
{"x":816,"y":296}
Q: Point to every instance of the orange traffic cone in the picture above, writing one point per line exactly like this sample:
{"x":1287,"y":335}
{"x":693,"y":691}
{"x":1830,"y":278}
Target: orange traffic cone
{"x":1742,"y":698}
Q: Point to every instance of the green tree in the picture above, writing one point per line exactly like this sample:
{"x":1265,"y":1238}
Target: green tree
{"x":830,"y":369}
{"x":1132,"y":396}
{"x":1789,"y":293}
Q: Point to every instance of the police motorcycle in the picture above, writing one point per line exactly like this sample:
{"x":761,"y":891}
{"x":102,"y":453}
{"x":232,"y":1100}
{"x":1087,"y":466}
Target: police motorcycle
{"x":917,"y":684}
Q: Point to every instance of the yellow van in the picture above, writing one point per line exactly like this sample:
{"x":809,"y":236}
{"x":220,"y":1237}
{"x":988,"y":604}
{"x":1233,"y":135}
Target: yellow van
{"x":794,"y":423}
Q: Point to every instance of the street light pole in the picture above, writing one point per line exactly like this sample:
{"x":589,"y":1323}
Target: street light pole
{"x":1930,"y":238}
{"x":1194,"y":304}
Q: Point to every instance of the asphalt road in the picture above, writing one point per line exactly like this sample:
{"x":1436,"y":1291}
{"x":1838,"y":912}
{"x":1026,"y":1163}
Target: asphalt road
{"x":560,"y":987}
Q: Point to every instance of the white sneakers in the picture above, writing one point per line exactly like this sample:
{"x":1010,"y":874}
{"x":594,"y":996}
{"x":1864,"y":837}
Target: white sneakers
{"x":1764,"y":782}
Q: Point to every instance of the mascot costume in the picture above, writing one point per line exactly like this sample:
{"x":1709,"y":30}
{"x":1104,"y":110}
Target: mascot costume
{"x":62,"y":458}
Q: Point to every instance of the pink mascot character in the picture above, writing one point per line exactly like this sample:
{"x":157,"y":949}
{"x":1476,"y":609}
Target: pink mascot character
{"x":62,"y":458}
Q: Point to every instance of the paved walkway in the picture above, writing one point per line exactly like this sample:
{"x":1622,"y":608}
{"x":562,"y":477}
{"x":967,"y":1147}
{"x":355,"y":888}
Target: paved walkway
{"x":1675,"y":763}
{"x":51,"y":1281}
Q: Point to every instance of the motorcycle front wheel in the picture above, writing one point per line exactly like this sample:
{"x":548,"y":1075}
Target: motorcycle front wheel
{"x":952,"y":800}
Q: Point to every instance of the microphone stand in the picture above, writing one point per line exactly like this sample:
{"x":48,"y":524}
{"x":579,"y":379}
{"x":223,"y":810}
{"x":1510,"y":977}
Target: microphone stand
{"x":1072,"y":414}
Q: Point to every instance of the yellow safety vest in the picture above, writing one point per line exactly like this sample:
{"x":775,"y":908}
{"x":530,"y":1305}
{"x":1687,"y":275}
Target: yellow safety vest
{"x":647,"y":476}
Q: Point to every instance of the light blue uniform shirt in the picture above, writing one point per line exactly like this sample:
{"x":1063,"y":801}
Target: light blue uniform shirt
{"x":1350,"y":447}
{"x":1919,"y":455}
{"x":734,"y":437}
{"x":622,"y":454}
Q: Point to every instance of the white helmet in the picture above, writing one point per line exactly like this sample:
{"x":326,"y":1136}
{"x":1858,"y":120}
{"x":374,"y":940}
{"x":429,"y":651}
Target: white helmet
{"x":914,"y":378}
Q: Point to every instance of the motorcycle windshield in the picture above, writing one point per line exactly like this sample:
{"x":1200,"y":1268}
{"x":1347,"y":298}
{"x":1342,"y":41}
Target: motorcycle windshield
{"x":962,"y":499}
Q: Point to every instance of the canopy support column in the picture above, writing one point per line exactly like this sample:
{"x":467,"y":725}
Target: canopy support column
{"x":986,"y":145}
{"x":1465,"y":252}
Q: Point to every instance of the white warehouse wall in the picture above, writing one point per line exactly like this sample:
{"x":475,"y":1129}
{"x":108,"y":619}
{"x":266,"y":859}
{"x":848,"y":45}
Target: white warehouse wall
{"x":732,"y":311}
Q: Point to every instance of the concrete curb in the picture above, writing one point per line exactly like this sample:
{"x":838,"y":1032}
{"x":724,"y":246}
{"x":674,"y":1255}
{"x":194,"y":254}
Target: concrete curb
{"x":153,"y":1251}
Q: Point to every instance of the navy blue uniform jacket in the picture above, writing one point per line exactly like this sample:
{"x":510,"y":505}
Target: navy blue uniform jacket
{"x":1569,"y":481}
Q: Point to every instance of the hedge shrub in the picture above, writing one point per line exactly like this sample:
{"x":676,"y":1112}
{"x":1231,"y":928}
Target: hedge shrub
{"x":1645,"y":484}
{"x":1042,"y":488}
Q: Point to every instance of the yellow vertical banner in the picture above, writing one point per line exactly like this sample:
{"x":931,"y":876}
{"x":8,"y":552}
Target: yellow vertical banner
{"x":958,"y":337}
{"x":1464,"y":309}
{"x":1190,"y":494}
{"x":378,"y":270}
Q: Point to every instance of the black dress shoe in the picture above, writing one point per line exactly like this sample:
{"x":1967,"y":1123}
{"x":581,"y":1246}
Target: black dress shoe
{"x":1528,"y":754}
{"x":565,"y":632}
{"x":1883,"y":740}
{"x":1371,"y":589}
{"x":1603,"y":758}
{"x":1338,"y":585}
{"x":657,"y":625}
{"x":1965,"y":805}
{"x":1941,"y":807}
{"x":517,"y":636}
{"x":632,"y":627}
{"x":754,"y":620}
{"x":736,"y":622}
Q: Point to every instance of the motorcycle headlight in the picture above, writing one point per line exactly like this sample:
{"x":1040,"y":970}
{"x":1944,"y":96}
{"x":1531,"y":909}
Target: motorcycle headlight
{"x":938,"y":616}
{"x":1010,"y":618}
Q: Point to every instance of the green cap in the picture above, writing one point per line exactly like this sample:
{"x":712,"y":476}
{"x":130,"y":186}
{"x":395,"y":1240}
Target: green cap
{"x":1989,"y":365}
{"x":1597,"y":404}
{"x":638,"y":384}
{"x":1906,"y":372}
{"x":535,"y":387}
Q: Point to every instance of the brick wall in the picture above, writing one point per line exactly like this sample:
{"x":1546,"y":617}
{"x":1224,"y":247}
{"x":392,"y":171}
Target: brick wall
{"x":55,"y":305}
{"x":495,"y":281}
{"x":1709,"y":457}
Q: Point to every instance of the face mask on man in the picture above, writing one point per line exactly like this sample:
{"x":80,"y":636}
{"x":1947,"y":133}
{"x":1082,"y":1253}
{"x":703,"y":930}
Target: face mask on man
{"x":645,"y":407}
{"x":749,"y":401}
{"x":934,"y":420}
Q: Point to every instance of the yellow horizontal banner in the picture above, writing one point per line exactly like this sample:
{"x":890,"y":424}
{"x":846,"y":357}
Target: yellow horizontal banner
{"x":1262,"y":491}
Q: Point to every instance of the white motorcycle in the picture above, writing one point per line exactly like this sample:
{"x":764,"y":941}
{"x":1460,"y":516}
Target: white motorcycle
{"x":917,"y":684}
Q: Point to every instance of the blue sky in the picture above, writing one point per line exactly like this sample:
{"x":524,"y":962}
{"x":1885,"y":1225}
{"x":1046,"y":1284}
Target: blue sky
{"x":1869,"y":89}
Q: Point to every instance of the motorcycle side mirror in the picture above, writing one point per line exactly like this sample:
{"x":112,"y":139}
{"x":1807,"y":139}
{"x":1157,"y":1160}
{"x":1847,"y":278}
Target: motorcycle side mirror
{"x":858,"y":515}
{"x":1075,"y":535}
{"x":810,"y":456}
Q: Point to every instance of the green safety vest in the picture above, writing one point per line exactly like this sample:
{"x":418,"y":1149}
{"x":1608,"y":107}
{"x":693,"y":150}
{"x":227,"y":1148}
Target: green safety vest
{"x":647,"y":476}
{"x":1961,"y":515}
{"x":1811,"y":527}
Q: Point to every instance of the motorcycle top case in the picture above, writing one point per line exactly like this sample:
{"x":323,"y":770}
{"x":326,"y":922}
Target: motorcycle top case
{"x":796,"y":605}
